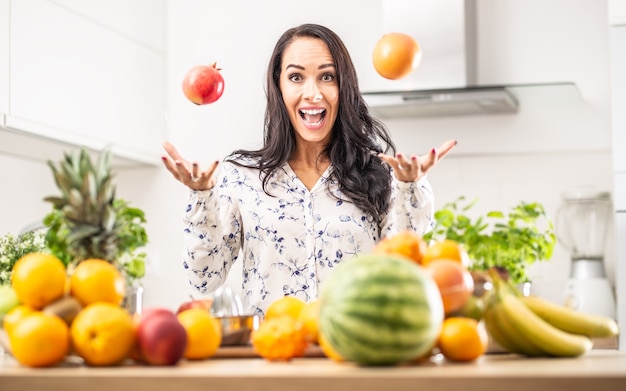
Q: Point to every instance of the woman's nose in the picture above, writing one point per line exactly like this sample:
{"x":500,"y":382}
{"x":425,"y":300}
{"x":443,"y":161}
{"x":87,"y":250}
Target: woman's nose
{"x":312,"y":92}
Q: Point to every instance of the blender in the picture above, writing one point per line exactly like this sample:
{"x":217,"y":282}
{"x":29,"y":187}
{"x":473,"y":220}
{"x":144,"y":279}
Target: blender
{"x":581,"y":227}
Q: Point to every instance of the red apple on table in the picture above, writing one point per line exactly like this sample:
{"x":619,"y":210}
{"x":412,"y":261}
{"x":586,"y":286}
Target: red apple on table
{"x":161,"y":338}
{"x":204,"y":304}
{"x":203,"y":84}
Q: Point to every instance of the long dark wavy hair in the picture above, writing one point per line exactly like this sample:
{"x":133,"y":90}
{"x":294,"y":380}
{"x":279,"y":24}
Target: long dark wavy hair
{"x":356,"y":136}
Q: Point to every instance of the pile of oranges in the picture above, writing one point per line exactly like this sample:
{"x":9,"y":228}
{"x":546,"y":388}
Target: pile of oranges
{"x":57,"y":313}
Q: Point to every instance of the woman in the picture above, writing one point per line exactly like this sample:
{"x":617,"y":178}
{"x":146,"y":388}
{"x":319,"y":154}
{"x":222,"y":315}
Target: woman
{"x":316,"y":193}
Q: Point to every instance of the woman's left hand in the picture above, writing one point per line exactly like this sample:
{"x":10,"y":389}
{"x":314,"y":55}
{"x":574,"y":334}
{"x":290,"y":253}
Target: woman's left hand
{"x":416,"y":167}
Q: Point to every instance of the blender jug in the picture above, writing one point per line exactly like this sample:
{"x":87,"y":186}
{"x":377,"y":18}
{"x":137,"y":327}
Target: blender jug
{"x":582,"y":223}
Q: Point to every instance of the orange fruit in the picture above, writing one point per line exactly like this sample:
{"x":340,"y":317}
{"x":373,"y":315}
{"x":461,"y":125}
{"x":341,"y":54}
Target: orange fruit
{"x":14,"y":316}
{"x":446,"y":249}
{"x":396,"y":55}
{"x":286,"y":305}
{"x":462,"y":339}
{"x":39,"y":340}
{"x":38,"y":279}
{"x":309,"y":316}
{"x":406,"y":243}
{"x":280,"y":338}
{"x":95,"y":280}
{"x":204,"y":333}
{"x":328,"y":350}
{"x":103,"y":334}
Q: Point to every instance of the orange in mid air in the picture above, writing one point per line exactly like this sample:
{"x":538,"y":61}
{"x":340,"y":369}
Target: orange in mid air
{"x":396,"y":55}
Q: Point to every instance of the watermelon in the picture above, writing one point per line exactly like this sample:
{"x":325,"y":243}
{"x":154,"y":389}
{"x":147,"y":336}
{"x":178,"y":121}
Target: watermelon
{"x":380,"y":310}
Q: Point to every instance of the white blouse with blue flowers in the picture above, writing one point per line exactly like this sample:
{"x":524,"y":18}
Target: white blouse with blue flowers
{"x":290,"y":240}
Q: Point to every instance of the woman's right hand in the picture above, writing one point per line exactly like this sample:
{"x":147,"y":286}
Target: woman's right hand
{"x":188,"y":173}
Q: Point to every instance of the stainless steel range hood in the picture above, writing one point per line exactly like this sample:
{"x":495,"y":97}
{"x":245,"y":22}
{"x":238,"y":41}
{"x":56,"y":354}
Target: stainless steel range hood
{"x":445,"y":83}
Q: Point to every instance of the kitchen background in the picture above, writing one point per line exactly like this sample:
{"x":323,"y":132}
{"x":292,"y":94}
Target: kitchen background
{"x":551,"y":145}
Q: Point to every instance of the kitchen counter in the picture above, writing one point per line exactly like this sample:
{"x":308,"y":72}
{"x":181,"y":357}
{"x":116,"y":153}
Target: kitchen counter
{"x":597,"y":370}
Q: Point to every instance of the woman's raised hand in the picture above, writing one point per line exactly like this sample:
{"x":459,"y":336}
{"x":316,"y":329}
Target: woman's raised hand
{"x":414,"y":168}
{"x":188,"y":173}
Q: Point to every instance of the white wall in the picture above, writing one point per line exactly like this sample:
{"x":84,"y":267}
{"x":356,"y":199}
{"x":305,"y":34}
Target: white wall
{"x":533,"y":156}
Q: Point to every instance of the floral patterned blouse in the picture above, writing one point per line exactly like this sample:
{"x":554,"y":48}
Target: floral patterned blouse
{"x":288,"y":242}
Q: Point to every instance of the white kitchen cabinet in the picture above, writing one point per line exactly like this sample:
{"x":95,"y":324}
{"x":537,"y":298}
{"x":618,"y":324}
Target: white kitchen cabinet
{"x":618,"y":96}
{"x":79,"y":80}
{"x":4,"y":58}
{"x":617,"y":12}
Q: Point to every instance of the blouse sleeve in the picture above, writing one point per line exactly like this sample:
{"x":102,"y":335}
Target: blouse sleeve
{"x":211,"y":238}
{"x":412,"y":207}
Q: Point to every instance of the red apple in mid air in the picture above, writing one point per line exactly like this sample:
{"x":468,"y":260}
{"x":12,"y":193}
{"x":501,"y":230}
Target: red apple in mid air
{"x":203,"y":84}
{"x":204,"y":304}
{"x":161,"y":338}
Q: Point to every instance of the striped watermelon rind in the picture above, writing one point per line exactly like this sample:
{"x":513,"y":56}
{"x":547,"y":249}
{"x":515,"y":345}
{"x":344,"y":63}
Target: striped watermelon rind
{"x":380,"y":310}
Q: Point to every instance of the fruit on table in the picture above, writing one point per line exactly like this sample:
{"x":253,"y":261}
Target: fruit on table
{"x":204,"y":304}
{"x":204,"y":333}
{"x":103,"y":334}
{"x":65,"y":308}
{"x":97,"y":280}
{"x":280,"y":338}
{"x":454,"y":281}
{"x":309,"y":317}
{"x":463,"y":339}
{"x":38,"y":279}
{"x":203,"y":84}
{"x":396,"y":55}
{"x":15,"y":315}
{"x":406,"y":243}
{"x":380,"y":310}
{"x":446,"y":249}
{"x":8,"y":299}
{"x":518,"y":329}
{"x":286,"y":305}
{"x":39,"y":340}
{"x":328,"y":350}
{"x":162,"y":339}
{"x":570,"y":320}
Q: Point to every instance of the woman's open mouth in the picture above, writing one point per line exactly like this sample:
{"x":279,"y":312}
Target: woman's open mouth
{"x":313,"y":117}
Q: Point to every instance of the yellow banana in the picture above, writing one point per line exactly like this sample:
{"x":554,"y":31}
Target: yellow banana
{"x":570,"y":320}
{"x":551,"y":340}
{"x":494,"y":331}
{"x":518,"y":342}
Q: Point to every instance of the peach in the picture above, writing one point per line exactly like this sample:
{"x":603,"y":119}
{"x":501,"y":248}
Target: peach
{"x":454,"y":281}
{"x":161,"y":338}
{"x":204,"y":304}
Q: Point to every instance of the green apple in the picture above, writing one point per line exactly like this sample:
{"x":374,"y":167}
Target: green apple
{"x":8,"y":299}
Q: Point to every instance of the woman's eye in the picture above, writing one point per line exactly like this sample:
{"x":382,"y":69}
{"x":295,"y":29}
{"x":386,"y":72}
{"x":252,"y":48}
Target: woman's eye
{"x":295,"y":77}
{"x":328,"y":77}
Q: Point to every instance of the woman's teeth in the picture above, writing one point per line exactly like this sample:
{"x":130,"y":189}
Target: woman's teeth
{"x":313,"y":117}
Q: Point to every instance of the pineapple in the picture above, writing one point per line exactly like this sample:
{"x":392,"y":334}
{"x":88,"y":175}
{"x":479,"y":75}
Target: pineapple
{"x":87,"y":221}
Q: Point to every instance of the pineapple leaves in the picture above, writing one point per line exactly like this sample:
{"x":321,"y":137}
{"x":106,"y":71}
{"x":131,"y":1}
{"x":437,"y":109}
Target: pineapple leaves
{"x":87,"y":221}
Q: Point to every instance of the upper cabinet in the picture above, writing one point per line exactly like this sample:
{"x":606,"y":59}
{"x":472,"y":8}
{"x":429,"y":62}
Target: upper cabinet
{"x":617,"y":12}
{"x":88,"y":74}
{"x":4,"y":58}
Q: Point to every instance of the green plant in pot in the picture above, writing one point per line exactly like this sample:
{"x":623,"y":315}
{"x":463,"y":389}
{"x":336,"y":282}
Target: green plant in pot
{"x":88,"y":221}
{"x":510,"y":241}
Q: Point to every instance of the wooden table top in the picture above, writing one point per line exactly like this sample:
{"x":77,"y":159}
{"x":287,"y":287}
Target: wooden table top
{"x":597,"y":370}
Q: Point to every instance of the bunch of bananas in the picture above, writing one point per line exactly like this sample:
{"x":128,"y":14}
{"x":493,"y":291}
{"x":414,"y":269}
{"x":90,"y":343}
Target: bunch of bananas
{"x":532,"y":326}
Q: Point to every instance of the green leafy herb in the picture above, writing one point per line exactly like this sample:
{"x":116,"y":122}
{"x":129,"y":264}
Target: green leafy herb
{"x":512,"y":240}
{"x":14,"y":247}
